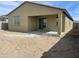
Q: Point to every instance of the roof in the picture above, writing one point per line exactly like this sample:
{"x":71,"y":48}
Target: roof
{"x":64,"y":10}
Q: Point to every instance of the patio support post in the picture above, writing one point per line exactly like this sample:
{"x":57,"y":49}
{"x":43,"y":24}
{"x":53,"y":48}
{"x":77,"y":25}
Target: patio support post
{"x":59,"y":23}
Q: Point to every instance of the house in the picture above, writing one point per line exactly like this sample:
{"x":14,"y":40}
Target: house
{"x":30,"y":16}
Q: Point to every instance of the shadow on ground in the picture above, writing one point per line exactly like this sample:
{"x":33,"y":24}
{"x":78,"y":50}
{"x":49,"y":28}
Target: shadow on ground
{"x":67,"y":47}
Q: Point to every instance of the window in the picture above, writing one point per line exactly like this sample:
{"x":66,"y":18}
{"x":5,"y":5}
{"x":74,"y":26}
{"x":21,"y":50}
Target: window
{"x":16,"y":20}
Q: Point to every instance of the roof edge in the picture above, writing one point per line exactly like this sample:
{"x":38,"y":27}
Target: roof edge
{"x":64,"y":10}
{"x":67,"y":13}
{"x":36,"y":4}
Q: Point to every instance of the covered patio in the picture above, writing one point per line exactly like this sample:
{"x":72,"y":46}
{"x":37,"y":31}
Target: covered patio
{"x":47,"y":24}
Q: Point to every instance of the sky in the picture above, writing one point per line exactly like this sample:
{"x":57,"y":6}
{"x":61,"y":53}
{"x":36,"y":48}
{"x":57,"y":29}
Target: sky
{"x":71,"y":6}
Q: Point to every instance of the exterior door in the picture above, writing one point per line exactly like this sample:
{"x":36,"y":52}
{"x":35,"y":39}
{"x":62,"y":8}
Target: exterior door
{"x":42,"y":23}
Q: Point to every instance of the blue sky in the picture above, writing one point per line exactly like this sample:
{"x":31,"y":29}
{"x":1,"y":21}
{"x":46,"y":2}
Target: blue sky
{"x":71,"y":6}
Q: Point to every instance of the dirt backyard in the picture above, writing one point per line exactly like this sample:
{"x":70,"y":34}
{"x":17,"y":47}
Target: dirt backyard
{"x":16,"y":44}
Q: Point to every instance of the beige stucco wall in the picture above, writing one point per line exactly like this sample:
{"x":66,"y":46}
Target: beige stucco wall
{"x":50,"y":25}
{"x":21,"y":27}
{"x":63,"y":22}
{"x":33,"y":10}
{"x":29,"y":14}
{"x":33,"y":23}
{"x":29,"y":10}
{"x":67,"y":24}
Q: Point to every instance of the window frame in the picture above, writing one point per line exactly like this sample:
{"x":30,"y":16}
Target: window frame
{"x":16,"y":20}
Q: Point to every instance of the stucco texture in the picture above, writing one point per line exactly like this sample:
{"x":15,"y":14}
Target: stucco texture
{"x":29,"y":14}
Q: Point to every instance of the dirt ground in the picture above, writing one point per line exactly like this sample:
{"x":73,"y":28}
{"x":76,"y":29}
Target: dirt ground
{"x":16,"y":44}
